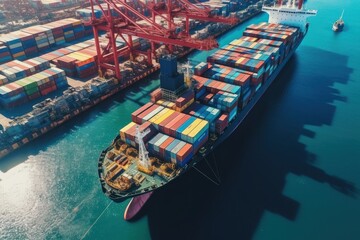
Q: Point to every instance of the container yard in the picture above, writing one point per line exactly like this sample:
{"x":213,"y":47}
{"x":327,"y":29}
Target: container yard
{"x":45,"y":59}
{"x":192,"y":114}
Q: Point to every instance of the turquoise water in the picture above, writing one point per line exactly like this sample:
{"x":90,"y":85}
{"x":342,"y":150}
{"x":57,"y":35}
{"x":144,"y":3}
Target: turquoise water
{"x":291,"y":171}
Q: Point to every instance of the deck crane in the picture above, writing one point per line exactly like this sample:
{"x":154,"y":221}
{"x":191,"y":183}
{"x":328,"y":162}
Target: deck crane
{"x":134,"y":23}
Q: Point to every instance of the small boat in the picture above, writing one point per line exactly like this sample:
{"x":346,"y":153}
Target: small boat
{"x":135,"y":205}
{"x":339,"y":24}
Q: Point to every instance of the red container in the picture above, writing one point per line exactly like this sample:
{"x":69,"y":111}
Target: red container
{"x":34,"y":96}
{"x":184,"y":152}
{"x":140,"y":110}
{"x":47,"y":90}
{"x":178,"y":124}
{"x":163,"y":146}
{"x":168,"y":120}
{"x":168,"y":126}
{"x":139,"y":118}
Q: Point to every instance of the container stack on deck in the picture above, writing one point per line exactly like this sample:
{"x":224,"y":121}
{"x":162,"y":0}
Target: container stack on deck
{"x":223,"y":85}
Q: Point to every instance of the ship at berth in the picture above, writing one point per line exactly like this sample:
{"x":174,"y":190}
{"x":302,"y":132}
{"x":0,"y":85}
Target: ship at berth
{"x":189,"y":115}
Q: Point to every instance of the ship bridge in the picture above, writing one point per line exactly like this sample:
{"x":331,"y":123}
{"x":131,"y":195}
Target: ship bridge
{"x":289,"y":14}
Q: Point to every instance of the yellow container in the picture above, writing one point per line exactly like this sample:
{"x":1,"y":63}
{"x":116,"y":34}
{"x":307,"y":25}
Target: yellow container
{"x":163,"y":117}
{"x":197,"y":129}
{"x":160,"y":102}
{"x":158,"y":115}
{"x":124,"y":129}
{"x":192,"y":126}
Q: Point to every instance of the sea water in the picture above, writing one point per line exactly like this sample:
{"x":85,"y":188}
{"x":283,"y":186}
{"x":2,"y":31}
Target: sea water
{"x":290,"y":171}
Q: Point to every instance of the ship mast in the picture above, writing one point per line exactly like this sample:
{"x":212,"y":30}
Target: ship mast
{"x":143,"y":153}
{"x":342,"y":14}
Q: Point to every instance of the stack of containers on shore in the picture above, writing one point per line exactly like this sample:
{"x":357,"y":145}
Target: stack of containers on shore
{"x":50,"y":56}
{"x":57,"y":32}
{"x":41,"y":37}
{"x":57,"y":76}
{"x":3,"y":80}
{"x":14,"y":45}
{"x":171,"y":149}
{"x":32,"y":87}
{"x":16,"y":69}
{"x":67,"y":28}
{"x":77,"y":27}
{"x":207,"y":113}
{"x":12,"y":95}
{"x":67,"y":64}
{"x":175,"y":124}
{"x":86,"y":13}
{"x":28,"y":43}
{"x":84,"y":65}
{"x":128,"y":133}
{"x":5,"y":54}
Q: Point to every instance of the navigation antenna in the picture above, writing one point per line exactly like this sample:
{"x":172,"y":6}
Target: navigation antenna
{"x":143,"y":153}
{"x":187,"y":76}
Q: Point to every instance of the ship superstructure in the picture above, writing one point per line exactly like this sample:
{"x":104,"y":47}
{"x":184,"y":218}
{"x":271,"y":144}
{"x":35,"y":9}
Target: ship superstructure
{"x":289,"y":14}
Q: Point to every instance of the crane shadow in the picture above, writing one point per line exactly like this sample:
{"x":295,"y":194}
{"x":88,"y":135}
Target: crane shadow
{"x":255,"y":161}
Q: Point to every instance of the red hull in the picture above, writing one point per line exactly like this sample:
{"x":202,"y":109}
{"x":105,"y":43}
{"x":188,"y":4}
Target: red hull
{"x":135,"y":205}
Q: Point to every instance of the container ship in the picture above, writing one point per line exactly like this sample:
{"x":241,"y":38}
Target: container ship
{"x":189,"y":116}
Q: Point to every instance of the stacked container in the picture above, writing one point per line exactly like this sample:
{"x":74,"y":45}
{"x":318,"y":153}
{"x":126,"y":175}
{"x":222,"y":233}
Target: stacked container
{"x":30,"y":87}
{"x":179,"y":125}
{"x":14,"y":45}
{"x":28,"y":42}
{"x":214,"y":86}
{"x":3,"y":80}
{"x":171,"y":149}
{"x":186,"y":99}
{"x":12,"y":95}
{"x":5,"y":54}
{"x":128,"y":133}
{"x":237,"y":60}
{"x":77,"y":27}
{"x":67,"y":28}
{"x":221,"y":123}
{"x":41,"y":37}
{"x":156,"y":95}
{"x":57,"y":32}
{"x":230,"y":75}
{"x":201,"y":68}
{"x":15,"y":69}
{"x":207,"y":113}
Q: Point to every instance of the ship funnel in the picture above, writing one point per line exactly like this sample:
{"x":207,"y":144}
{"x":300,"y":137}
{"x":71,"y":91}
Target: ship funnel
{"x":279,"y":2}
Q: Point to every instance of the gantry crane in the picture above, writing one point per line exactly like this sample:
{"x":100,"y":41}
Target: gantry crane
{"x":134,"y":23}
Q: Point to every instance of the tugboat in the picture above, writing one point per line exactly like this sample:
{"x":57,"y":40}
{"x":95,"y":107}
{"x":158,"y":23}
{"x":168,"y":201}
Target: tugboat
{"x":338,"y":25}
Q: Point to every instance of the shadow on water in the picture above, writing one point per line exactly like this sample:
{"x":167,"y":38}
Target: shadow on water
{"x":255,"y":161}
{"x":134,"y":94}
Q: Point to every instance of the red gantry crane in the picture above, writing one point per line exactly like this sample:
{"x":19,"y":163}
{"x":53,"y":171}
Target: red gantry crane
{"x":132,"y":22}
